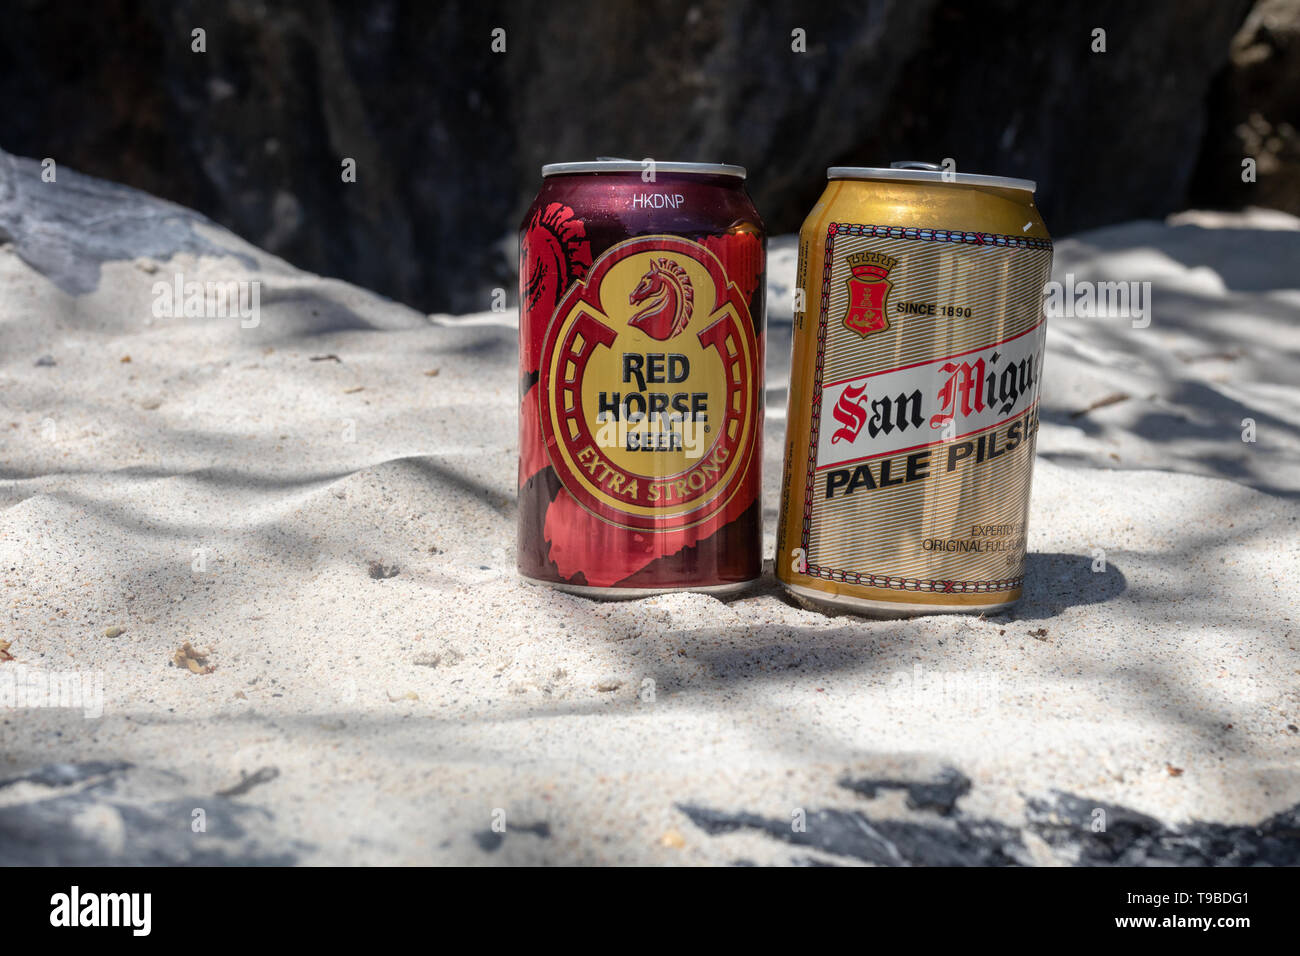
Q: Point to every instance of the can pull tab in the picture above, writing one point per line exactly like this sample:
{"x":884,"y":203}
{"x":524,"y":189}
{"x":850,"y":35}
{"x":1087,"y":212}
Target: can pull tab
{"x":915,"y":164}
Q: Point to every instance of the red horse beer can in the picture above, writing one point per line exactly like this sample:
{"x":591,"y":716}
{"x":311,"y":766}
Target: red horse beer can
{"x":641,"y":335}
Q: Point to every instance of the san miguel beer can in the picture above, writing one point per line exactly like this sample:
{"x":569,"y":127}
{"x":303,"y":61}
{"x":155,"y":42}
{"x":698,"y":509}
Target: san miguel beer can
{"x":913,"y":396}
{"x":641,"y":336}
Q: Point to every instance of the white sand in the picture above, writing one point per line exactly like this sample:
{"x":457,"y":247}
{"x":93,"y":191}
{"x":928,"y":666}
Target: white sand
{"x":400,"y":712}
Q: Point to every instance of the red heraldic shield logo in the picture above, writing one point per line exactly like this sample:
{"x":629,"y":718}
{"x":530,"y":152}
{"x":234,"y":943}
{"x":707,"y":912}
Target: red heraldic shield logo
{"x":868,"y":292}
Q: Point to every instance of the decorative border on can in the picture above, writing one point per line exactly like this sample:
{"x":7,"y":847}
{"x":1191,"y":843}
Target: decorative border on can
{"x":889,"y":582}
{"x":894,"y":583}
{"x":936,"y":235}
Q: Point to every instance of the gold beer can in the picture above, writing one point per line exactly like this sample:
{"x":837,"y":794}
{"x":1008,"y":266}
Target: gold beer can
{"x":913,"y":399}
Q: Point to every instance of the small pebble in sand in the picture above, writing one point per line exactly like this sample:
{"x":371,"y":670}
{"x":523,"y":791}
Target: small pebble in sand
{"x":45,"y":361}
{"x":673,"y":840}
{"x":1173,"y":771}
{"x":192,"y":659}
{"x":608,"y":684}
{"x":125,"y":359}
{"x":1040,"y":634}
{"x":114,"y":631}
{"x":433,"y":372}
{"x":378,"y":570}
{"x":4,"y":650}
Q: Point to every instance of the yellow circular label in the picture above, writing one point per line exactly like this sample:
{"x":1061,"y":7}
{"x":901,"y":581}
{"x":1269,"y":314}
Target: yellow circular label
{"x":649,"y":386}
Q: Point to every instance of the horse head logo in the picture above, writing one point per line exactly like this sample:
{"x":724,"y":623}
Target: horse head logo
{"x":669,"y":300}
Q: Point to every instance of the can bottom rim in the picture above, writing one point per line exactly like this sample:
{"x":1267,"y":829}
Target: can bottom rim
{"x":821,"y":601}
{"x":632,"y":594}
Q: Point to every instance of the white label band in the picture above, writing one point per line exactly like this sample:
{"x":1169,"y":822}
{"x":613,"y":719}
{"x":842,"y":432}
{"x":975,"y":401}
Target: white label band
{"x":914,"y":406}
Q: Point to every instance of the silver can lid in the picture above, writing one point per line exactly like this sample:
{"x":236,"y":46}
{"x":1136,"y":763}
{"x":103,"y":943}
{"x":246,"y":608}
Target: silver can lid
{"x":914,"y":171}
{"x":611,"y":164}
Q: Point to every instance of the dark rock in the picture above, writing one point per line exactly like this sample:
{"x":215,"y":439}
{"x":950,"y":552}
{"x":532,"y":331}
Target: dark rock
{"x":1087,"y":833}
{"x":1133,"y":839}
{"x":882,"y":842}
{"x":45,"y":831}
{"x":66,"y":774}
{"x":489,"y":841}
{"x":1064,"y":820}
{"x":941,"y":796}
{"x":448,"y":136}
{"x":67,"y":229}
{"x":1254,"y":112}
{"x":380,"y":571}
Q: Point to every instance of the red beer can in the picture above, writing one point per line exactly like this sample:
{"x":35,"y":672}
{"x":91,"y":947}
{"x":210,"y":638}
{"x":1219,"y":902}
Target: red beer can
{"x":641,"y":336}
